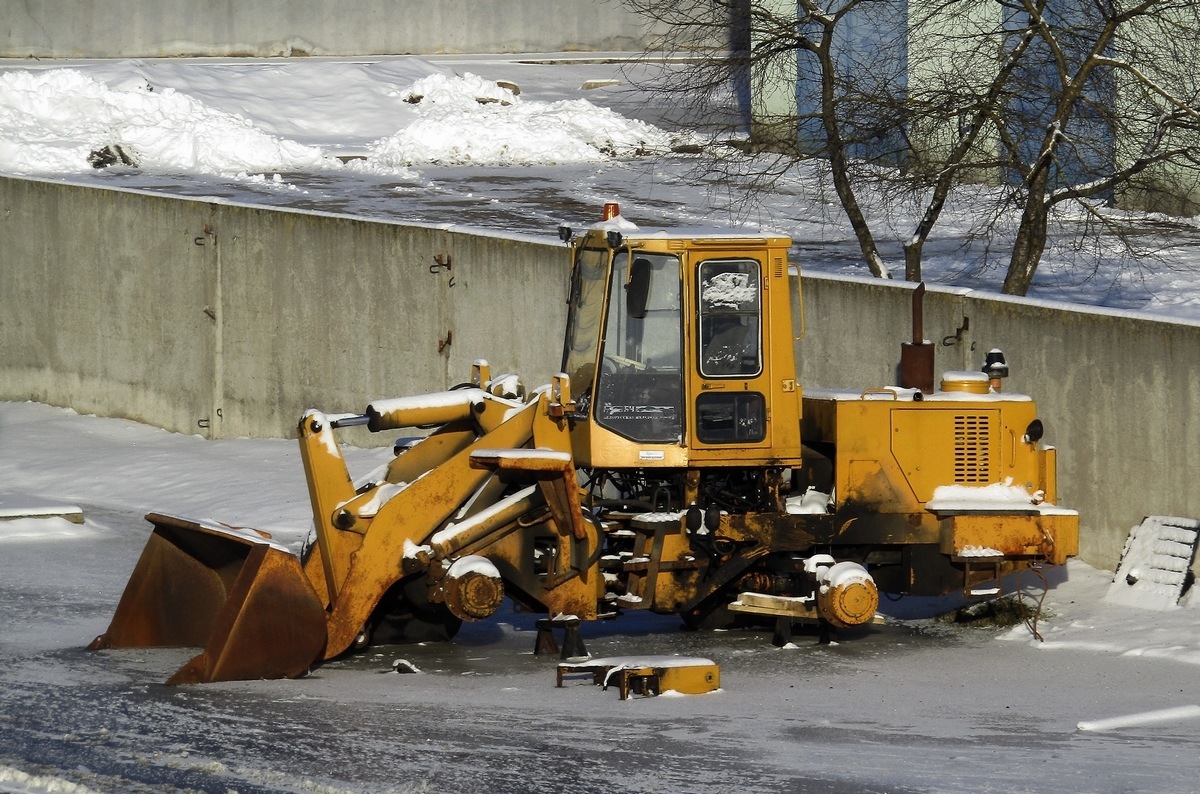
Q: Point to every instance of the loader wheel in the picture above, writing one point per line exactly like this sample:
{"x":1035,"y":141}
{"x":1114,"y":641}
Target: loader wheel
{"x":406,"y":615}
{"x":410,"y":629}
{"x":419,"y":630}
{"x":715,"y":617}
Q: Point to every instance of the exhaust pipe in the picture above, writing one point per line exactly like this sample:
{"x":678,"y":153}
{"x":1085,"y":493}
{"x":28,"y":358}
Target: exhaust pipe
{"x":916,"y":357}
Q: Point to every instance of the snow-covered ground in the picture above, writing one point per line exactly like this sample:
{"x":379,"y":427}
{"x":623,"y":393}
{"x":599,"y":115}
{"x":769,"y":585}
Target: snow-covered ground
{"x":1106,"y":702}
{"x":519,"y":144}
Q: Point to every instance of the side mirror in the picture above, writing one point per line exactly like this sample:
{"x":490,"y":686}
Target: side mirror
{"x":638,"y":288}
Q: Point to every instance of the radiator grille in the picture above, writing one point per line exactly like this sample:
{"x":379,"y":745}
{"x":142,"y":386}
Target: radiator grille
{"x":972,"y":435}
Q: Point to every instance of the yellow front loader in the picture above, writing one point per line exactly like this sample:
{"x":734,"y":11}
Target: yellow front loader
{"x":674,"y":465}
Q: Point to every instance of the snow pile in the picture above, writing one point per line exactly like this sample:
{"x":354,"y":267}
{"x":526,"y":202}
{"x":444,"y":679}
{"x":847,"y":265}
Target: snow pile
{"x":66,"y":121}
{"x":13,"y":507}
{"x":1077,"y":618}
{"x":1143,"y":718}
{"x":617,"y":223}
{"x":54,"y":121}
{"x":17,"y":781}
{"x":811,"y":502}
{"x":729,"y":290}
{"x":979,"y":551}
{"x":445,"y":90}
{"x":473,"y":563}
{"x":51,"y":528}
{"x":997,"y":496}
{"x":469,"y":120}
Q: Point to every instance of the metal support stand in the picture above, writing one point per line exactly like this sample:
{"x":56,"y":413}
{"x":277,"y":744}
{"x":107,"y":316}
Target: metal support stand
{"x":572,"y":643}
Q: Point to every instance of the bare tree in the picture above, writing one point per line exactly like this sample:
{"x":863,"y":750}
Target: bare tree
{"x":1118,"y":93}
{"x":1049,"y":101}
{"x":761,"y":64}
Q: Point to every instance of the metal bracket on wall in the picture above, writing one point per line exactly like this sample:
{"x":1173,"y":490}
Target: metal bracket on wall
{"x":206,"y":423}
{"x":442,"y":262}
{"x":956,"y":337}
{"x":203,"y":239}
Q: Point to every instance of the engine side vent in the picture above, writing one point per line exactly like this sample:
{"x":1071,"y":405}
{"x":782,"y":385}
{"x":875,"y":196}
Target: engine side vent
{"x":972,"y":447}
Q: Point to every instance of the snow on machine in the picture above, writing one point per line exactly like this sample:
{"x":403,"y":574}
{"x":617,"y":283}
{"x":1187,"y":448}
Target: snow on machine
{"x":673,"y":465}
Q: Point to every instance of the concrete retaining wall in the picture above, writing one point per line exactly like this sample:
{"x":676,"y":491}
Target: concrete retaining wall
{"x":230,"y":321}
{"x":180,"y":313}
{"x":151,"y":28}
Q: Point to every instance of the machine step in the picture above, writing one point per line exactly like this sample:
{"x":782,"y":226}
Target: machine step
{"x":1155,"y":564}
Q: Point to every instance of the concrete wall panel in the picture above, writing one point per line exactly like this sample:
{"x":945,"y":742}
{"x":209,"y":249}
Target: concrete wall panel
{"x":104,"y":297}
{"x":331,"y":312}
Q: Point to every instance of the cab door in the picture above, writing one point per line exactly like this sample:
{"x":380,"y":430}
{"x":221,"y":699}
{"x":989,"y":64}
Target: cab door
{"x":729,"y":412}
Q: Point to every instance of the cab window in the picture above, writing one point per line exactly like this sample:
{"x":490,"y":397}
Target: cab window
{"x":730,"y":312}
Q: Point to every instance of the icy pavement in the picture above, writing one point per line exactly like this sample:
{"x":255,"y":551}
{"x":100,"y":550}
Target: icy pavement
{"x":915,"y":706}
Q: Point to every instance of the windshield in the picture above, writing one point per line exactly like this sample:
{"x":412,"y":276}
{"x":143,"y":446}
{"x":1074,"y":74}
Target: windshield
{"x":640,"y":388}
{"x":583,"y":324}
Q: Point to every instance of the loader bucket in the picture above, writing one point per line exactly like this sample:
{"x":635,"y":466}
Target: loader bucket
{"x":243,"y":599}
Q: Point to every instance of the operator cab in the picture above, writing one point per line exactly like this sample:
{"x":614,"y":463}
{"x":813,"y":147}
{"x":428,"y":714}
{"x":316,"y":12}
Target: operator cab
{"x":670,"y":352}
